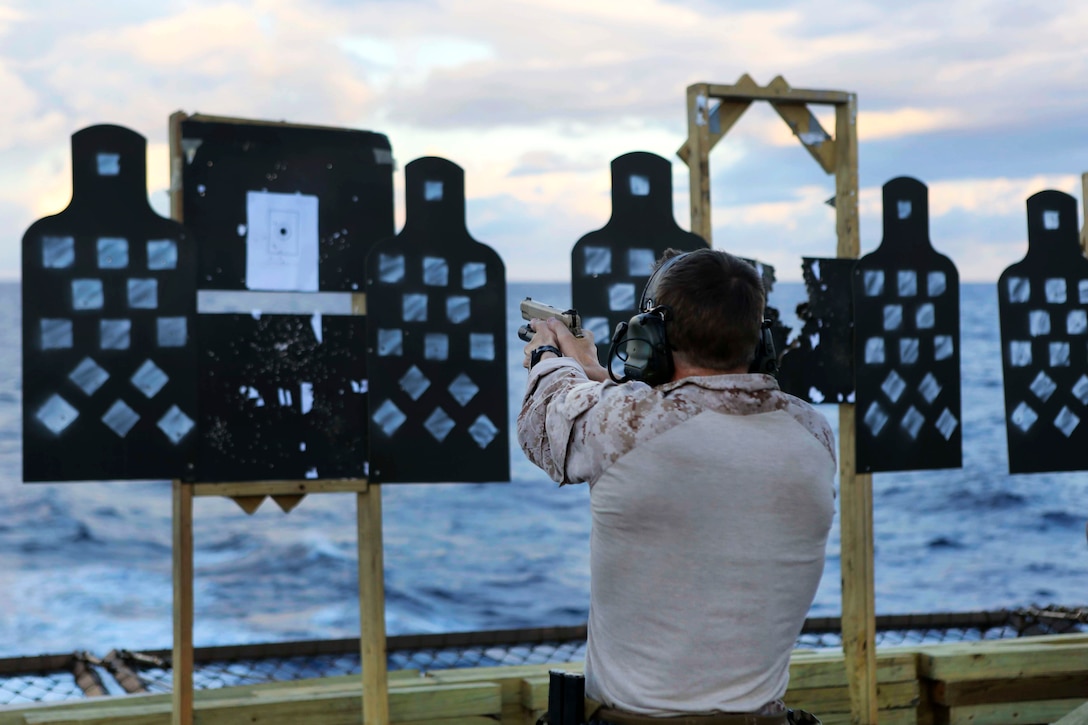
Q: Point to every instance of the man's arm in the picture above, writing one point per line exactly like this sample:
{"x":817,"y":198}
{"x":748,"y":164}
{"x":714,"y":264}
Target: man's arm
{"x":543,"y":432}
{"x":545,"y":422}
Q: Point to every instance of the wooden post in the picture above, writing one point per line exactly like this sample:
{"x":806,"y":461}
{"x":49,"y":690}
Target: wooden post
{"x":183,"y":605}
{"x":372,"y":608}
{"x":371,"y":583}
{"x":699,"y":159}
{"x":1084,"y":205}
{"x":855,"y":490}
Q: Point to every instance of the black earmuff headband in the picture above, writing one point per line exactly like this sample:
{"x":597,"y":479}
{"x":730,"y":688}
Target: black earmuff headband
{"x":646,"y":353}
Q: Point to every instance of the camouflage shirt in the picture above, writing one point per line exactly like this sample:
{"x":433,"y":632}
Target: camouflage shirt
{"x":575,"y":429}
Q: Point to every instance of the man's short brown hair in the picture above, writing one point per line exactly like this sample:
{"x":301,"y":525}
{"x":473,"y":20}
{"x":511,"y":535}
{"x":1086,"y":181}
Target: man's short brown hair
{"x":717,"y":303}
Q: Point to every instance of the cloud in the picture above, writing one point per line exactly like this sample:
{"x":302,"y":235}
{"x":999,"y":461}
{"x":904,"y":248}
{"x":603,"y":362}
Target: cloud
{"x":533,"y":163}
{"x":534,"y":243}
{"x":274,"y":61}
{"x":979,"y":223}
{"x":535,"y":97}
{"x":986,"y":197}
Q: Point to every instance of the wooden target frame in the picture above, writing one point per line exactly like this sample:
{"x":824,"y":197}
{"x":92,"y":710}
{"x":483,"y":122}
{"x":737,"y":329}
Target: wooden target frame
{"x":713,"y":109}
{"x":287,"y":494}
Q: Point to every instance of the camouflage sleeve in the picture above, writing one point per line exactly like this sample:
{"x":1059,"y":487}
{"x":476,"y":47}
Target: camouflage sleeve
{"x":574,"y":429}
{"x":550,"y":381}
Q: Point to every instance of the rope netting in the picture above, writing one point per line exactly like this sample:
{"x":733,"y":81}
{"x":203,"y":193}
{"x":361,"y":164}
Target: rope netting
{"x":54,"y":678}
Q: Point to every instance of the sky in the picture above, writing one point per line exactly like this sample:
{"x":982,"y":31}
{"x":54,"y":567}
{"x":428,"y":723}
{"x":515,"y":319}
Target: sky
{"x":982,"y":100}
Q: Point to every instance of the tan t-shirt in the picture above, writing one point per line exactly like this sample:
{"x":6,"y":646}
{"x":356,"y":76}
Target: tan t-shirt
{"x":712,"y":498}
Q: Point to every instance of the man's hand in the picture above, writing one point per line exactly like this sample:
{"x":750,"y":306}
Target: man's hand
{"x":582,"y":350}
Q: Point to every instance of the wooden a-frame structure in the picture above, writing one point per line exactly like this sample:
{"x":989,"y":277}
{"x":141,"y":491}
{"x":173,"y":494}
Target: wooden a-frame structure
{"x":712,"y":110}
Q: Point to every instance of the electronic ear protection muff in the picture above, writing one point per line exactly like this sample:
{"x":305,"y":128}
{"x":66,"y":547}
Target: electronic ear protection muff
{"x":766,"y":360}
{"x":643,"y":347}
{"x":642,"y":343}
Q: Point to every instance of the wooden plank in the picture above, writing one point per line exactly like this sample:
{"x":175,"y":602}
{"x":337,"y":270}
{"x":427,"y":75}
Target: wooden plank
{"x":399,"y":680}
{"x":280,"y":488}
{"x":723,"y":117}
{"x":411,"y":705}
{"x":806,"y":127}
{"x":177,"y":165}
{"x":831,"y":671}
{"x":1034,"y":640}
{"x":471,"y":720}
{"x":808,"y":670}
{"x":503,"y":672}
{"x":1022,"y":645}
{"x":182,"y":675}
{"x":895,"y":695}
{"x":445,"y":701}
{"x":1076,"y":717}
{"x":856,"y":490}
{"x":698,"y":161}
{"x":902,"y":716}
{"x":1084,"y":224}
{"x":846,"y":179}
{"x":977,"y":692}
{"x":1009,"y":713}
{"x":1008,"y":663}
{"x":787,"y":95}
{"x":509,"y":678}
{"x":372,"y":608}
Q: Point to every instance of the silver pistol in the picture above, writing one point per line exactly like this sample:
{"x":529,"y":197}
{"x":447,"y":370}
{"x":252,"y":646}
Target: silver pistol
{"x":533,"y":310}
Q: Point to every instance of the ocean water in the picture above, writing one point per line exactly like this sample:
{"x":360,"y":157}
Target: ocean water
{"x":87,"y":566}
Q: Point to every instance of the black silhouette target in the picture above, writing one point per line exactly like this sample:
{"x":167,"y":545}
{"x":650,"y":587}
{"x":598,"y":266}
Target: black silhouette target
{"x":907,"y":343}
{"x":109,"y":301}
{"x":610,"y":266}
{"x":1042,"y":302}
{"x":436,"y":342}
{"x":818,"y":364}
{"x":291,"y":210}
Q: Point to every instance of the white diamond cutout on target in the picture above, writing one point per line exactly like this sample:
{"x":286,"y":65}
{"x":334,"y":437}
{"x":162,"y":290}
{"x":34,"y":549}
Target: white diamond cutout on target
{"x":930,"y":388}
{"x":389,"y":417}
{"x":1066,"y":421}
{"x":912,"y":422}
{"x":483,"y":431}
{"x":463,"y":389}
{"x":1080,"y":389}
{"x":88,"y":376}
{"x":1023,"y":417}
{"x":175,"y":424}
{"x":149,"y":379}
{"x":120,"y":418}
{"x":439,"y":425}
{"x":946,"y":423}
{"x":1043,"y":386}
{"x":893,"y":386}
{"x":875,"y":419}
{"x":414,"y":383}
{"x":56,"y":414}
